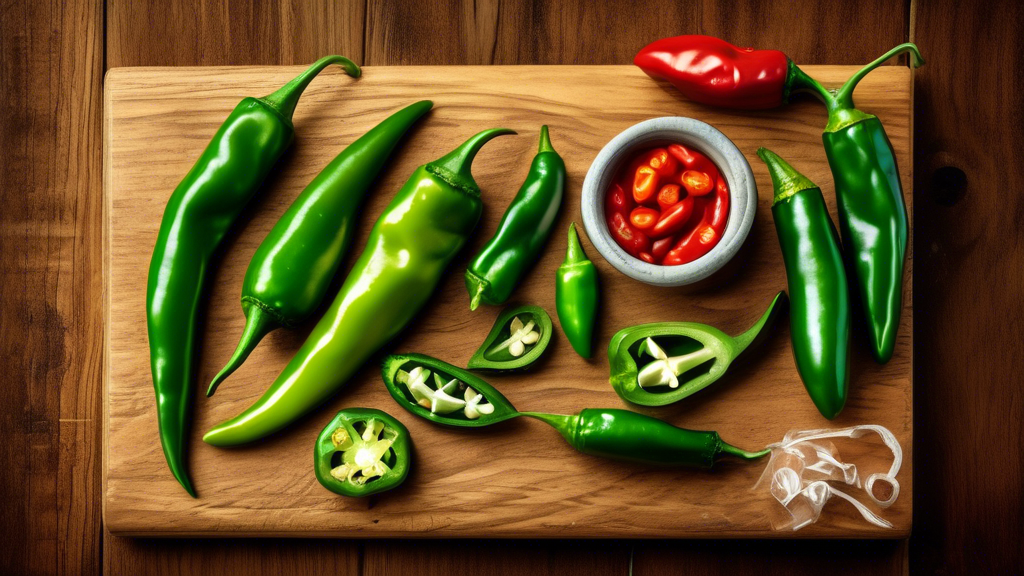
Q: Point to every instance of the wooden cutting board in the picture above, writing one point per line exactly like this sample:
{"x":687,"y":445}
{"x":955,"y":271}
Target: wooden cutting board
{"x":519,"y":479}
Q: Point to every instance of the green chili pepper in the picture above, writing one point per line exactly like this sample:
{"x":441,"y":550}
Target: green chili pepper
{"x":820,"y":304}
{"x":576,"y":296}
{"x":412,"y":243}
{"x":523,"y":230}
{"x":362,"y":451}
{"x":872,"y":211}
{"x":605,"y":432}
{"x":678,"y":358}
{"x":294,"y":265}
{"x":519,"y":337}
{"x":198,"y":214}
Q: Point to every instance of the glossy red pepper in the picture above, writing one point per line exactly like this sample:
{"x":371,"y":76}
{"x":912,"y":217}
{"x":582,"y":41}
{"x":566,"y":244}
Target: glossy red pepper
{"x":697,"y":183}
{"x":712,"y":71}
{"x":707,"y":233}
{"x":645,"y":184}
{"x":661,"y":247}
{"x":643,"y":217}
{"x":668,"y":196}
{"x":633,"y":241}
{"x":673,"y":219}
{"x":662,"y":162}
{"x":693,"y":160}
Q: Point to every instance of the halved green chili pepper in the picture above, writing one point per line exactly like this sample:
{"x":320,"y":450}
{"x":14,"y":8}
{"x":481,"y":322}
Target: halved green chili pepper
{"x":408,"y":250}
{"x":362,"y":451}
{"x":605,"y":432}
{"x":519,"y":337}
{"x":678,"y":358}
{"x":576,"y":296}
{"x":198,"y":214}
{"x":294,"y":265}
{"x":820,"y":303}
{"x":523,"y":230}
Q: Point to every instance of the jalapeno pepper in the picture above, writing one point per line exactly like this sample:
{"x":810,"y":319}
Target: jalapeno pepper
{"x":523,"y":231}
{"x":312,"y":236}
{"x":708,"y":231}
{"x":519,"y":337}
{"x":198,"y":214}
{"x":576,"y":296}
{"x":661,"y":363}
{"x":408,"y":250}
{"x":820,"y":308}
{"x":362,"y":451}
{"x":442,"y":393}
{"x":712,"y":71}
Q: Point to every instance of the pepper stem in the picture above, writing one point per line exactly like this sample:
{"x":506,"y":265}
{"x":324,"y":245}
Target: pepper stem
{"x":257,"y":325}
{"x":456,"y":166}
{"x":726,"y":448}
{"x":785,"y":179}
{"x":798,"y":82}
{"x":286,"y":98}
{"x":574,"y":254}
{"x":844,"y":96}
{"x":564,"y":423}
{"x":756,"y":332}
{"x":545,"y":141}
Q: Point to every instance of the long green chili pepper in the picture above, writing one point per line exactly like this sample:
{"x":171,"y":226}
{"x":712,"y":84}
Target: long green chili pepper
{"x":872,"y":212}
{"x":523,"y":230}
{"x":406,"y":255}
{"x":661,"y":363}
{"x":294,"y":265}
{"x":576,"y":296}
{"x":198,"y":214}
{"x":447,"y":395}
{"x":820,"y":302}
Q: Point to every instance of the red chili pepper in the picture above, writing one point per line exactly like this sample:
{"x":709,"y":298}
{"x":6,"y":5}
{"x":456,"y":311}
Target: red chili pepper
{"x":619,"y":202}
{"x":662,"y":162}
{"x":645,"y":184}
{"x":647,"y":257}
{"x":712,"y":71}
{"x":706,"y":234}
{"x":668,"y":195}
{"x":697,"y":183}
{"x":693,"y":160}
{"x":674,"y":219}
{"x":633,"y":241}
{"x":661,"y":247}
{"x":643,"y":217}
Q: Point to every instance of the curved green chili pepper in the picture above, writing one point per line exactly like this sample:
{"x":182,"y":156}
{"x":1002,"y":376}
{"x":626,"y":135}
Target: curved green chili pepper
{"x":294,"y":265}
{"x":820,"y":303}
{"x":198,"y":214}
{"x":519,"y":337}
{"x":408,"y":250}
{"x":678,"y":358}
{"x":576,"y":296}
{"x":872,"y":212}
{"x":362,"y":451}
{"x":604,"y":432}
{"x":523,"y":230}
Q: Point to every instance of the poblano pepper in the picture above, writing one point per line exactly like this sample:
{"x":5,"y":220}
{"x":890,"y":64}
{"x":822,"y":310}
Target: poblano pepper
{"x":291,"y":270}
{"x":661,"y":363}
{"x":362,"y":451}
{"x":198,"y":214}
{"x":448,"y":395}
{"x":408,"y":250}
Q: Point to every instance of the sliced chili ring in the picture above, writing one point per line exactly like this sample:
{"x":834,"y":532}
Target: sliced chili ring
{"x":362,"y":451}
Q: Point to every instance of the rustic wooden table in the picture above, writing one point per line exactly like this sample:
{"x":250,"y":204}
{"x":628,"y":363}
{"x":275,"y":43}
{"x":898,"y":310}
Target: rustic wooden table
{"x":969,"y":506}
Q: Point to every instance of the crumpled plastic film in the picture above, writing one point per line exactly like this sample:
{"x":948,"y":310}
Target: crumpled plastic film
{"x":803,"y":465}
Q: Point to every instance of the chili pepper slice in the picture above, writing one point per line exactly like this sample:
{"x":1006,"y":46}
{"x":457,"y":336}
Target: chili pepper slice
{"x":663,"y":163}
{"x":661,"y":247}
{"x":523,"y":231}
{"x":519,"y":337}
{"x":409,"y":248}
{"x":362,"y":451}
{"x":692,"y":160}
{"x":707,"y":233}
{"x":198,"y":214}
{"x":661,"y":363}
{"x":697,"y":183}
{"x":643,"y":217}
{"x":673,"y":219}
{"x":633,"y":241}
{"x":312,"y":235}
{"x":576,"y":295}
{"x":668,"y":196}
{"x":820,"y":313}
{"x":645,"y":184}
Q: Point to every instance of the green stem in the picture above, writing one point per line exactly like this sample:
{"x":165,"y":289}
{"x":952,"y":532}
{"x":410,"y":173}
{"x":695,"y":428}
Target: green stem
{"x":756,"y":332}
{"x":800,"y":82}
{"x":286,"y":98}
{"x":456,"y":166}
{"x":545,"y":141}
{"x":731,"y":450}
{"x":564,"y":423}
{"x":844,"y":96}
{"x":574,"y":254}
{"x":786,"y":180}
{"x":257,"y":325}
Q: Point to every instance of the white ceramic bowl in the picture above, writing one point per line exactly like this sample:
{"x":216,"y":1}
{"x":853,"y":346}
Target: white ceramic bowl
{"x":663,"y":131}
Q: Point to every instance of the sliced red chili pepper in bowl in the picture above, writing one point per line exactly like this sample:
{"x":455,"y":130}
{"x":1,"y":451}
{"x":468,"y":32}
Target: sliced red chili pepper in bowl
{"x":661,"y":247}
{"x":668,"y":195}
{"x":645,"y":184}
{"x":697,"y":183}
{"x":692,"y":160}
{"x":662,"y":162}
{"x":706,"y":234}
{"x":633,"y":241}
{"x":643,"y":217}
{"x":674,"y":219}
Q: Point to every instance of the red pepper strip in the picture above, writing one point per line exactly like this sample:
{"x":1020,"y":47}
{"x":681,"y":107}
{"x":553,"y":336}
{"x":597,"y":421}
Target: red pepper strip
{"x":708,"y":232}
{"x":674,"y":219}
{"x":693,"y":160}
{"x":668,"y":196}
{"x":617,"y":208}
{"x":697,"y":183}
{"x":712,"y":71}
{"x":662,"y":162}
{"x":643,"y":218}
{"x":619,"y":202}
{"x":645,"y":184}
{"x":648,"y":257}
{"x":661,"y":247}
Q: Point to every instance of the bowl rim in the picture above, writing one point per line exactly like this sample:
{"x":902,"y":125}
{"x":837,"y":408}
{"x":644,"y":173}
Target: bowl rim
{"x":731,"y":163}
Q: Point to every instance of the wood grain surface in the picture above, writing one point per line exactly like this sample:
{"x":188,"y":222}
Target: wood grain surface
{"x":520,"y":479}
{"x":962,"y":525}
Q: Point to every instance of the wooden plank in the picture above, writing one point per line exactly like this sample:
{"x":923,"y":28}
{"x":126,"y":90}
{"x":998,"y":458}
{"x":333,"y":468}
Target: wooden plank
{"x":51,"y":61}
{"x":968,"y":144}
{"x":155,"y":113}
